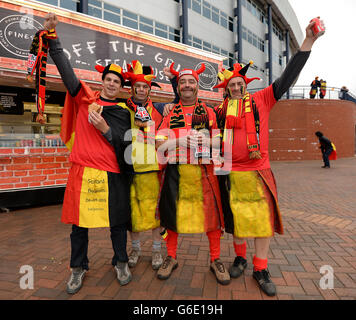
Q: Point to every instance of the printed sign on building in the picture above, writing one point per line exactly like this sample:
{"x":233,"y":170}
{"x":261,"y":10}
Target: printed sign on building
{"x":86,"y":47}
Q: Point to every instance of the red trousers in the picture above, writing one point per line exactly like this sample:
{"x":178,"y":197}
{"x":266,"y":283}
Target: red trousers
{"x":214,"y":243}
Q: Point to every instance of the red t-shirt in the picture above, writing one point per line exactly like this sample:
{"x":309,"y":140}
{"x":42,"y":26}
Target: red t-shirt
{"x":90,"y":148}
{"x":264,"y":100}
{"x":163,"y":132}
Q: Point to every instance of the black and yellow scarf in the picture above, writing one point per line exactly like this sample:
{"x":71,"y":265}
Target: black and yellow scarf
{"x":200,"y":117}
{"x":229,"y":116}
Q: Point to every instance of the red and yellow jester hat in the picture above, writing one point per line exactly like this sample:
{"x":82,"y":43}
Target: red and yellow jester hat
{"x":185,"y":72}
{"x":111,"y":68}
{"x":137,"y":73}
{"x":237,"y":71}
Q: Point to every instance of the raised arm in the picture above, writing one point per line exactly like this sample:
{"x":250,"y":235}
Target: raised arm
{"x":295,"y":65}
{"x":56,"y":52}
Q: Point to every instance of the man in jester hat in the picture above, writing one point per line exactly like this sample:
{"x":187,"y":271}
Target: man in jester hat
{"x":248,"y":191}
{"x":190,"y":197}
{"x":145,"y":119}
{"x":97,"y":192}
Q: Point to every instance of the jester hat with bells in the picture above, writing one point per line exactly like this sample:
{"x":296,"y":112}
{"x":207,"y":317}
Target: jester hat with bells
{"x":232,"y":109}
{"x":111,"y":68}
{"x":138,"y":73}
{"x":237,"y":71}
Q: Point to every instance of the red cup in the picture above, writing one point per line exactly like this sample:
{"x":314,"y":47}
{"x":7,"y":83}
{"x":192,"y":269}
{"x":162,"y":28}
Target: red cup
{"x":318,"y":28}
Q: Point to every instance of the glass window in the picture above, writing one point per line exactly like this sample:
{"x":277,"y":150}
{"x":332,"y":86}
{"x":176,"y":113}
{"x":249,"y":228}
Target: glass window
{"x":216,"y":50}
{"x":249,"y":7}
{"x":146,"y":21}
{"x":146,"y":28}
{"x":254,"y":40}
{"x":196,"y":6}
{"x":53,"y":2}
{"x":249,"y":36}
{"x":129,"y":23}
{"x":95,"y":12}
{"x":161,"y":33}
{"x":189,"y":39}
{"x":197,"y":40}
{"x":174,"y":37}
{"x":130,"y":15}
{"x":206,"y":46}
{"x":174,"y":34}
{"x":196,"y":45}
{"x":95,"y":3}
{"x":223,"y":22}
{"x":161,"y":26}
{"x":207,"y":12}
{"x":175,"y":31}
{"x":69,"y":4}
{"x":224,"y":53}
{"x":112,"y":17}
{"x":215,"y":17}
{"x":231,"y":24}
{"x":244,"y":33}
{"x":112,"y":8}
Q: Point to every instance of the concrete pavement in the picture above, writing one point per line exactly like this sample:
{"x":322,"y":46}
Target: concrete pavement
{"x":319,"y":215}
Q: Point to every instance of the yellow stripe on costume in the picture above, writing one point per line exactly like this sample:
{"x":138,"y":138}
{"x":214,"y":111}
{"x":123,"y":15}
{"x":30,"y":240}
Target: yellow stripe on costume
{"x":143,"y":156}
{"x":144,"y":199}
{"x":249,"y":205}
{"x":70,"y":142}
{"x":94,"y":199}
{"x":190,"y":203}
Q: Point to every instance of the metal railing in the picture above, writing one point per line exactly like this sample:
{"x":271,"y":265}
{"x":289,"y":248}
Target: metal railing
{"x":302,"y":92}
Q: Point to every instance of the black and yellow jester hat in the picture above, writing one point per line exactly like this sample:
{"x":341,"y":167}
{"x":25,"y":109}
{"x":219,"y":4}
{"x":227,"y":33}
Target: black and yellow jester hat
{"x":111,"y":68}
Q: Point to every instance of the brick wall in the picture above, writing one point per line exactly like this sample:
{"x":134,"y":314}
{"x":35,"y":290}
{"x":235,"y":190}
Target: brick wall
{"x":293,"y":124}
{"x":33,"y":167}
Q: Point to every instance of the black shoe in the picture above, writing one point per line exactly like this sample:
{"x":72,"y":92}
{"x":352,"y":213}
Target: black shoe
{"x":263,"y":279}
{"x":238,"y":267}
{"x":326,"y":167}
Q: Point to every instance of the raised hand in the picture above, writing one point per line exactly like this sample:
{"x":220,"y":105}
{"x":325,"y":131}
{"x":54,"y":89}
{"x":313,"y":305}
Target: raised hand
{"x":50,"y":21}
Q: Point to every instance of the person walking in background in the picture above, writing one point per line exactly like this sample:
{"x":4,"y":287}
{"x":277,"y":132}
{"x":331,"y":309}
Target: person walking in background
{"x":343,"y":92}
{"x":327,"y":148}
{"x":322,"y":88}
{"x":314,"y":88}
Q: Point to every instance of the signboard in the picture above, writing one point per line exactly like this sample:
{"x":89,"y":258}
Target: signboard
{"x":86,"y":47}
{"x":10,"y":103}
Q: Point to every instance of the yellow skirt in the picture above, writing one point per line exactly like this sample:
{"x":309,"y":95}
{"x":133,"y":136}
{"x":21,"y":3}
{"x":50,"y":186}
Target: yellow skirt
{"x":144,"y":201}
{"x":249,"y":205}
{"x":190,"y":204}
